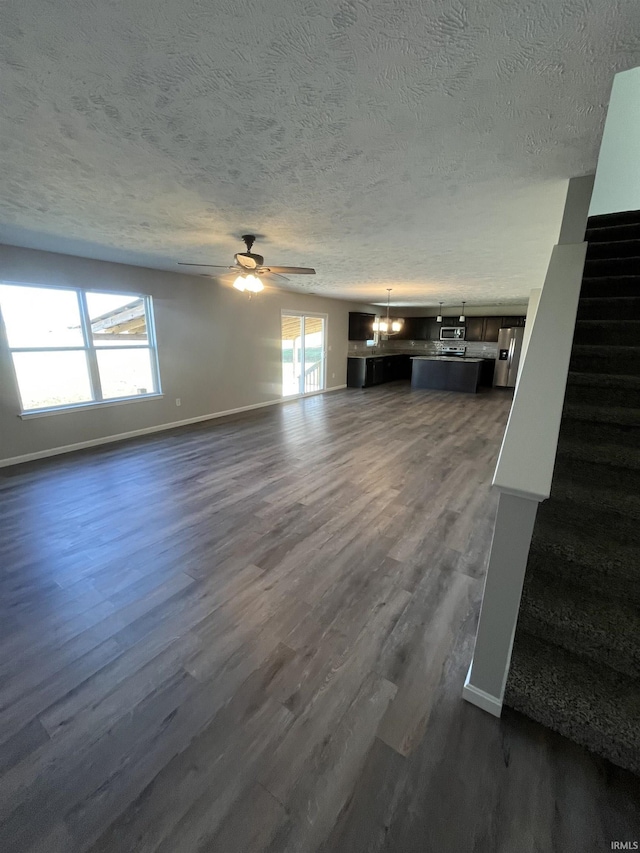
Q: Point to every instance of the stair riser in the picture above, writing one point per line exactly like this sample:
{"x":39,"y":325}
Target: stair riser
{"x":613,"y":234}
{"x":611,"y":584}
{"x":565,"y":638}
{"x":609,"y":309}
{"x":612,"y":267}
{"x":595,"y":396}
{"x":613,"y":249}
{"x":619,"y":333}
{"x":600,"y":433}
{"x":610,"y":287}
{"x":627,"y":364}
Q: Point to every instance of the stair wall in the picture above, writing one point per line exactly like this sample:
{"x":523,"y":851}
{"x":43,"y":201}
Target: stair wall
{"x":575,"y":665}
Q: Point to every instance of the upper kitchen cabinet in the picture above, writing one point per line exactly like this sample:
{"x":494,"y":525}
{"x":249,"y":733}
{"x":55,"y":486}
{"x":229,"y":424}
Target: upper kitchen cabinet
{"x":433,"y":329}
{"x":360,"y":326}
{"x":414,"y":329}
{"x":492,"y":326}
{"x":475,"y":329}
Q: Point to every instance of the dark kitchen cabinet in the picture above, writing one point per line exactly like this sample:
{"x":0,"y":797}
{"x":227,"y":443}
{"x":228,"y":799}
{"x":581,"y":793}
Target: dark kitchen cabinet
{"x":360,"y":326}
{"x":433,"y":329}
{"x":365,"y":372}
{"x":414,"y":329}
{"x":492,"y":326}
{"x":375,"y":371}
{"x":451,"y":321}
{"x":475,"y":329}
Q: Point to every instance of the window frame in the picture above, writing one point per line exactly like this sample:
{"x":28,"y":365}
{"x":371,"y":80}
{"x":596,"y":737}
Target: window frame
{"x":89,"y":349}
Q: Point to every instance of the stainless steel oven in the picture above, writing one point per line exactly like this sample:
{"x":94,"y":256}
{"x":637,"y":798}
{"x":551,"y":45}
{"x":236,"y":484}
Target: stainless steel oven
{"x":452,"y":333}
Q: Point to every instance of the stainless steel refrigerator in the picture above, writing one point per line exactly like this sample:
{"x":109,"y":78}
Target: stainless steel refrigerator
{"x":508,"y":358}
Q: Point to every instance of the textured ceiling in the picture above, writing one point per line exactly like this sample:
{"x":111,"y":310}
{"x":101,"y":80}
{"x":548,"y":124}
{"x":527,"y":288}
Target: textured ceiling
{"x":412,"y":144}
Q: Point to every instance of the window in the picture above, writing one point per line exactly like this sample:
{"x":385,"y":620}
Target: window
{"x":77,"y":347}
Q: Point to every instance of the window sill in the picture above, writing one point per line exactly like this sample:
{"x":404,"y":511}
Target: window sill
{"x":81,"y":407}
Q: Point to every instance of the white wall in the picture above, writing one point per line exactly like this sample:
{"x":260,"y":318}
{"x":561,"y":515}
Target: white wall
{"x":617,"y":185}
{"x":218,"y":350}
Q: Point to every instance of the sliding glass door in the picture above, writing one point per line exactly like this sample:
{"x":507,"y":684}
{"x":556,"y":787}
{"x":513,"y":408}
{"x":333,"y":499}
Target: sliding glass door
{"x":303,"y":353}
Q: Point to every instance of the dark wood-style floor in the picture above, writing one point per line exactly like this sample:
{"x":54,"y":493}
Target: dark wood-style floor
{"x":252,"y":635}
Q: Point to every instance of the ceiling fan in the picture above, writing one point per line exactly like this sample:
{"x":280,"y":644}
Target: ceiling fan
{"x":249,"y":268}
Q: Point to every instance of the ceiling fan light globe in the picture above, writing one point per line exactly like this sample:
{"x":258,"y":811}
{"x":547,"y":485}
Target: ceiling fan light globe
{"x":254,"y":284}
{"x":240,"y":283}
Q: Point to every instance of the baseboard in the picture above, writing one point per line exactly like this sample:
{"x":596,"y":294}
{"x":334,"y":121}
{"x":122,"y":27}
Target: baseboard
{"x":478,"y":697}
{"x":122,"y":436}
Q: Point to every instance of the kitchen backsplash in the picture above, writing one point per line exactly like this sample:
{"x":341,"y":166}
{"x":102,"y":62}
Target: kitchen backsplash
{"x":473,"y":349}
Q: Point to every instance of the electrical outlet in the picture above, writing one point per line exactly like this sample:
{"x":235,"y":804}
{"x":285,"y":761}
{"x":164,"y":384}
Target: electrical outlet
{"x":333,"y":376}
{"x":178,"y":401}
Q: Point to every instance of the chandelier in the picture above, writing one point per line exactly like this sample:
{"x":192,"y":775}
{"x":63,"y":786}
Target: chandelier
{"x":388,"y":325}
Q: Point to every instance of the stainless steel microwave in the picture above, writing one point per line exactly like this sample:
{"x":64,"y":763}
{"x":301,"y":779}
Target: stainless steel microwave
{"x":452,"y":333}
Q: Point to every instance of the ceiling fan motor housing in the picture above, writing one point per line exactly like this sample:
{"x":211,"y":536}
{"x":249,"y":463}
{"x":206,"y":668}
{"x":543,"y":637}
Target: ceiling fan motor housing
{"x":249,"y":259}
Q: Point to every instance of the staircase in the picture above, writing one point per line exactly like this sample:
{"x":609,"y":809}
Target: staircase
{"x":576,"y":655}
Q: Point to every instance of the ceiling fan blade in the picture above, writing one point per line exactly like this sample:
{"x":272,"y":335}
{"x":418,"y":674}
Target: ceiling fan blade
{"x":273,"y":279}
{"x":291,"y":270}
{"x":211,"y":266}
{"x":274,"y":275}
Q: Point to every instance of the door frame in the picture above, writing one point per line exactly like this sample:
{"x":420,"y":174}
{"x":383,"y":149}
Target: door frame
{"x":302,"y":314}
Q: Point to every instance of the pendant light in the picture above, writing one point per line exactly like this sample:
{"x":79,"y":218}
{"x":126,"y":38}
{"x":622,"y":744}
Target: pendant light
{"x":388,"y":325}
{"x":439,"y":317}
{"x":462,"y":317}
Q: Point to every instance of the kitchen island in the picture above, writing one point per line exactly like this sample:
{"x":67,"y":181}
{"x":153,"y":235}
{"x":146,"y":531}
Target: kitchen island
{"x":446,"y":373}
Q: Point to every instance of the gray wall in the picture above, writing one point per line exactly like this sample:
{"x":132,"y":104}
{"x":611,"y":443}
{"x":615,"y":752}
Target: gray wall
{"x":617,"y":184}
{"x":218,"y":350}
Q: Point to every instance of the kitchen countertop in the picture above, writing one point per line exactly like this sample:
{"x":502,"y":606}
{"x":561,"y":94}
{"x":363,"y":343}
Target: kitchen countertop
{"x":446,"y":358}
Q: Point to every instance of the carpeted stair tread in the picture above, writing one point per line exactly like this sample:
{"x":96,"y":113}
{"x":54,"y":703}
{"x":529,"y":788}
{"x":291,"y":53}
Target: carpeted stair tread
{"x":604,"y":389}
{"x":595,"y":518}
{"x":613,"y":249}
{"x":575,"y":462}
{"x":621,"y":332}
{"x":592,"y":704}
{"x":623,"y":415}
{"x":596,"y":498}
{"x":607,"y":308}
{"x":602,"y":267}
{"x":601,"y":454}
{"x":623,"y":383}
{"x":577,"y":545}
{"x":576,"y":619}
{"x":605,"y":358}
{"x":576,"y":424}
{"x":609,"y":586}
{"x":610,"y":286}
{"x":612,"y":220}
{"x":609,"y":233}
